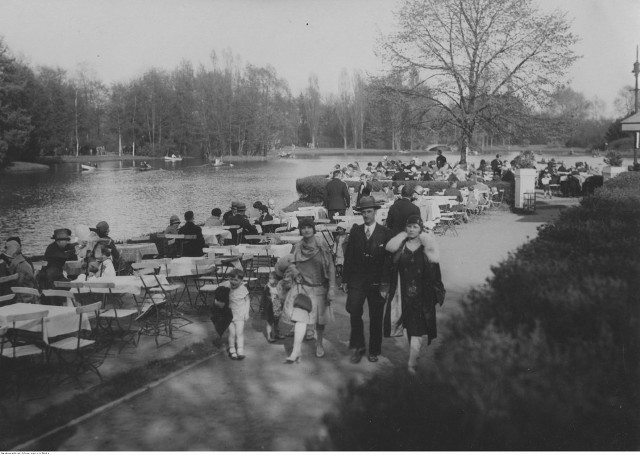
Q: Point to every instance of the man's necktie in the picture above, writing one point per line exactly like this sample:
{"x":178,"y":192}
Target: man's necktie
{"x":367,"y":232}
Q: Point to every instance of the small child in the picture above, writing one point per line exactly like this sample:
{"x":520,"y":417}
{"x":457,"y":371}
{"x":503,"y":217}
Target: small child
{"x":239,"y":304}
{"x":271,"y":308}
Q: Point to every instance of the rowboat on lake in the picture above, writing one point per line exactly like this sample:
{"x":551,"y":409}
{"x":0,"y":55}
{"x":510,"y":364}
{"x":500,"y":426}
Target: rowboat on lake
{"x":173,"y":158}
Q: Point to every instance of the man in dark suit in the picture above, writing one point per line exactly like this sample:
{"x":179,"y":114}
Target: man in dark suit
{"x":402,"y":209}
{"x":240,"y":219}
{"x":362,"y":275}
{"x":364,"y":189}
{"x":191,"y":247}
{"x":337,"y":197}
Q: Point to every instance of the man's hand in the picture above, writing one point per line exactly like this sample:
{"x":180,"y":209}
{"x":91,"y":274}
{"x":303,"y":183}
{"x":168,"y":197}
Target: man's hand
{"x":344,"y":287}
{"x":384,"y":291}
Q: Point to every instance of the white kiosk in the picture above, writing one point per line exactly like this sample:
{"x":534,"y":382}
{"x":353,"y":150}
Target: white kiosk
{"x":525,"y":190}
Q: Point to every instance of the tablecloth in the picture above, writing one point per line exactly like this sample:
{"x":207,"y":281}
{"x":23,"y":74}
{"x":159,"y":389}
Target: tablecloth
{"x":211,"y":234}
{"x":133,"y":252}
{"x":185,"y":266}
{"x":60,"y":321}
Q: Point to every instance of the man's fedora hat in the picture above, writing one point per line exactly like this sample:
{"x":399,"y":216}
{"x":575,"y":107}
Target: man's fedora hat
{"x":367,"y":202}
{"x":62,"y":234}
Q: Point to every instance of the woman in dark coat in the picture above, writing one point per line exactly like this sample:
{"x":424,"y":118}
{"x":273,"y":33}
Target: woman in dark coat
{"x":415,"y":287}
{"x":56,"y":254}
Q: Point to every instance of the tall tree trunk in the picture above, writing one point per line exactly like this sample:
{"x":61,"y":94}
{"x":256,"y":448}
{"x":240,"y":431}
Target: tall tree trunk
{"x":77,"y":140}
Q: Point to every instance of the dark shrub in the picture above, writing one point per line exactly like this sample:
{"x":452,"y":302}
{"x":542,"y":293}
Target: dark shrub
{"x":545,"y":356}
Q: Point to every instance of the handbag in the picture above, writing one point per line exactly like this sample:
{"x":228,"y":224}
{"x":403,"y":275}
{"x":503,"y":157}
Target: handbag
{"x":302,"y":301}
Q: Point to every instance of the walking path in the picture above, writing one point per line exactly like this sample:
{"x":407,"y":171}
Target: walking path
{"x":262,"y":404}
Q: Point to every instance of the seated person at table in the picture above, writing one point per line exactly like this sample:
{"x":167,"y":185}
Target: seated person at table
{"x":102,"y":229}
{"x":214,"y":219}
{"x":265,"y":216}
{"x":16,"y":263}
{"x":454,"y":191}
{"x":240,"y":219}
{"x":191,"y":247}
{"x":508,"y":175}
{"x":481,"y":187}
{"x":174,"y":222}
{"x":232,"y":211}
{"x":57,"y":253}
{"x":104,"y":263}
{"x":271,"y":204}
{"x":170,"y":246}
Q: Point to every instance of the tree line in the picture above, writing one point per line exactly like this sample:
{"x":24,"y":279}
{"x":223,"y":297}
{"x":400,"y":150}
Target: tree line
{"x":472,"y":80}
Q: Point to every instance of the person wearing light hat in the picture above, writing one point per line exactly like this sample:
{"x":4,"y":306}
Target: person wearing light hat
{"x":362,"y":279}
{"x":102,"y":229}
{"x":314,"y":284}
{"x":170,"y":246}
{"x":174,"y":222}
{"x":16,"y":263}
{"x":415,"y":287}
{"x":57,"y":253}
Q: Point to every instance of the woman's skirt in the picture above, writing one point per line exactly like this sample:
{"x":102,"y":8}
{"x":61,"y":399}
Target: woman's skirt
{"x":318,"y":313}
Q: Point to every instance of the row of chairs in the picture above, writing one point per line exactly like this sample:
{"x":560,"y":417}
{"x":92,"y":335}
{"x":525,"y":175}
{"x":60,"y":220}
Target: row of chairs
{"x":25,"y":350}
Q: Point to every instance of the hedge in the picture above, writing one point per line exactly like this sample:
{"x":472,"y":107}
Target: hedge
{"x":544,"y":356}
{"x":312,"y":189}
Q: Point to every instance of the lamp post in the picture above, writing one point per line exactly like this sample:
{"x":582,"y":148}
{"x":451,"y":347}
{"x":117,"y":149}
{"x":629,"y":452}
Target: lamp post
{"x":636,"y":71}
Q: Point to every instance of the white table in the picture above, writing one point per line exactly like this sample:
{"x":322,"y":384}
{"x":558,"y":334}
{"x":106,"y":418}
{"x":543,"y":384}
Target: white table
{"x":124,"y":284}
{"x":60,"y":321}
{"x":133,"y":252}
{"x":212,"y":234}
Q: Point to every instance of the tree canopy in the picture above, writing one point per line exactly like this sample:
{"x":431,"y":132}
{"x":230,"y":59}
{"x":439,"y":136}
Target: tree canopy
{"x":480,"y":61}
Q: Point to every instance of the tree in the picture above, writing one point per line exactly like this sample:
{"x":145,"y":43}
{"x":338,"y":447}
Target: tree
{"x":312,"y":106}
{"x":342,"y":105}
{"x":358,"y":109}
{"x":625,"y":101}
{"x":471,"y":53}
{"x":15,"y":120}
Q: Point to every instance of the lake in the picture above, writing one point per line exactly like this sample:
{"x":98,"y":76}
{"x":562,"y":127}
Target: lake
{"x":32,"y":205}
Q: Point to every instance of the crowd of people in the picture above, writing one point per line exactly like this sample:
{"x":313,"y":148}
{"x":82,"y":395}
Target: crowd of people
{"x":394,"y":270}
{"x":393,"y":267}
{"x":438,"y":169}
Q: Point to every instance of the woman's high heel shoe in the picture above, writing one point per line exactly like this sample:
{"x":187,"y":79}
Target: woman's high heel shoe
{"x":290,"y":360}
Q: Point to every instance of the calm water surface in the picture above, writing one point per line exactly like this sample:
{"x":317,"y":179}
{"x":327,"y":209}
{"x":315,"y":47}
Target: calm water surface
{"x":32,"y":205}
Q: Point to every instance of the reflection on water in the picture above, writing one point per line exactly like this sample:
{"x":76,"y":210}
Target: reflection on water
{"x":133,"y":203}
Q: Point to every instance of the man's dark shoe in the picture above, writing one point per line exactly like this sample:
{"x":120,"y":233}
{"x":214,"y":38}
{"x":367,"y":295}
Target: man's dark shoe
{"x":372,"y":358}
{"x":356,"y":356}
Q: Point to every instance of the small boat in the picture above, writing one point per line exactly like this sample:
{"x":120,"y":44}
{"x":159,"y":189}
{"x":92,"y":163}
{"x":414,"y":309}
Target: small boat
{"x":284,"y":154}
{"x":173,"y":158}
{"x":218,"y":163}
{"x":144,"y":168}
{"x":88,"y":167}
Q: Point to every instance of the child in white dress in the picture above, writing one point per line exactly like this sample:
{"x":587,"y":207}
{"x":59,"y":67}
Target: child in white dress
{"x":239,"y":304}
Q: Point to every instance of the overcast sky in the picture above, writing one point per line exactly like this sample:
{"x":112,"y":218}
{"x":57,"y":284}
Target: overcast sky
{"x":120,"y":39}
